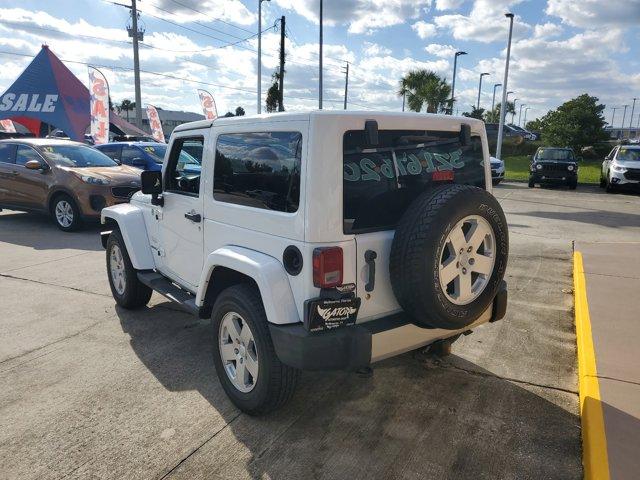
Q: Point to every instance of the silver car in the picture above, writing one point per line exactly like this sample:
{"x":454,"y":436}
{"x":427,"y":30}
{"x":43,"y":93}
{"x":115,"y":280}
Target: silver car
{"x":621,"y":168}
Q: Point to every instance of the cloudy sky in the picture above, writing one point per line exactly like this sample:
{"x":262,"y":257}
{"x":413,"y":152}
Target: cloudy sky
{"x":561,"y":48}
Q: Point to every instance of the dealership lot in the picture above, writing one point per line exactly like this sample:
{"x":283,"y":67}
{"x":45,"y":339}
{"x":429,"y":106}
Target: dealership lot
{"x":89,"y":389}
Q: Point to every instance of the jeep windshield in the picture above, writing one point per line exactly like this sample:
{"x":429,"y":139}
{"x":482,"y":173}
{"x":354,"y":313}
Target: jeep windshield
{"x":381,"y":181}
{"x":555,"y":155}
{"x":76,"y":156}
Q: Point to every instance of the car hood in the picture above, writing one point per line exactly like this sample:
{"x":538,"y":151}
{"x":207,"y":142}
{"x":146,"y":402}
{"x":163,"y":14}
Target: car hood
{"x":631,"y":164}
{"x":119,"y":174}
{"x":554,"y":162}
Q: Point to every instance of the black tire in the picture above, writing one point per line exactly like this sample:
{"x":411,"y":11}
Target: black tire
{"x":603,"y":183}
{"x":416,"y":253}
{"x":135,"y":293}
{"x":276,"y":381}
{"x":609,"y":187}
{"x":496,"y":181}
{"x":573,"y":185}
{"x":531,"y":183}
{"x":63,"y":200}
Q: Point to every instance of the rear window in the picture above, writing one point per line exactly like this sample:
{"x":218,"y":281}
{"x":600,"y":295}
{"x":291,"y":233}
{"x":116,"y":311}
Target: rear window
{"x":380,"y":182}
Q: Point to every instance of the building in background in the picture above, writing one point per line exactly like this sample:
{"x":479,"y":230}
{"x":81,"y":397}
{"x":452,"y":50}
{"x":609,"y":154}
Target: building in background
{"x":170,"y":119}
{"x":625,"y":133}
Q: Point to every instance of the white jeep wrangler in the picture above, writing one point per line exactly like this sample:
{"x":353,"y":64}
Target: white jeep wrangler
{"x":322,"y":240}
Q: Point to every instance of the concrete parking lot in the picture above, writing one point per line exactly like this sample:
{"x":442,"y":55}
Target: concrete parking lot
{"x":90,"y":390}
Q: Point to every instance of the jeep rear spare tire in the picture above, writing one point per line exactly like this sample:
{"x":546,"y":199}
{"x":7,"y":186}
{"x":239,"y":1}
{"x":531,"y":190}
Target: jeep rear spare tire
{"x":449,"y":255}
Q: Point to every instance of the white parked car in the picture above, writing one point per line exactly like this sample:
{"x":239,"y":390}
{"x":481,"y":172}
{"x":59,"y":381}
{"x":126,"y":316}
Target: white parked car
{"x":621,"y":168}
{"x":322,"y":240}
{"x":497,"y":170}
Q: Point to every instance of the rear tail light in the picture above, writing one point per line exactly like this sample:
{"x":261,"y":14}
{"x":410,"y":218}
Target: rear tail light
{"x":327,"y":267}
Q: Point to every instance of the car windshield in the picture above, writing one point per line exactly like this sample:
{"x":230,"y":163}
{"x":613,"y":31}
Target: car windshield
{"x":629,"y":155}
{"x":76,"y":156}
{"x":555,"y":154}
{"x":155,"y":151}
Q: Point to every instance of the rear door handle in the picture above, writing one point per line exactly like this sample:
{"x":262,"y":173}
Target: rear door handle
{"x":193,"y":216}
{"x":370,"y":259}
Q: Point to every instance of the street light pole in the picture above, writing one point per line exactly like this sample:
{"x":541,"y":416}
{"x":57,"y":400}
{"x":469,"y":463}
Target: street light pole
{"x":259,"y":107}
{"x":493,"y":102}
{"x":320,"y":65}
{"x":453,"y":82}
{"x":632,"y":109}
{"x":525,"y":117}
{"x":520,"y":114}
{"x":613,"y":115}
{"x":624,"y":115}
{"x":480,"y":89}
{"x":514,"y":108}
{"x":504,"y":88}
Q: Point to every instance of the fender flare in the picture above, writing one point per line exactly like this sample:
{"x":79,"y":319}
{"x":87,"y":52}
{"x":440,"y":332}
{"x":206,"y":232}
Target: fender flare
{"x":130,"y":220}
{"x":266,"y":271}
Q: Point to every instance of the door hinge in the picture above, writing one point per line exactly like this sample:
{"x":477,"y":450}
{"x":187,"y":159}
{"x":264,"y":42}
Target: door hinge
{"x":159,"y":251}
{"x":157,"y":213}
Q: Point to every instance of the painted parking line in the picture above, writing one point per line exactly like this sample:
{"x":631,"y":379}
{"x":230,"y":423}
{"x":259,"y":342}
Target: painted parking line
{"x":594,"y":442}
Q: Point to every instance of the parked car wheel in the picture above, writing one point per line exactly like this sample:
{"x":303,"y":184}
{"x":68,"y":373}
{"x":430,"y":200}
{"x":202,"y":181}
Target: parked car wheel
{"x":249,"y":369}
{"x":609,"y":187}
{"x":573,"y":185}
{"x":496,"y":181}
{"x":449,"y":255}
{"x":127,"y":290}
{"x":603,"y":182}
{"x":531,"y":184}
{"x":65,"y":213}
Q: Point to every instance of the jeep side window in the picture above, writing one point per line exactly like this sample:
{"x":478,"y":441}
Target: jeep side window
{"x":183,"y":169}
{"x":259,"y":169}
{"x":380,"y":182}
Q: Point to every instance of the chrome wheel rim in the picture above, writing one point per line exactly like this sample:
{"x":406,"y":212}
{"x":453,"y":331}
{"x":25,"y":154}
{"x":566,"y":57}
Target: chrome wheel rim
{"x":64,"y":213}
{"x":467,"y":259}
{"x":116,"y":266}
{"x":238,"y":352}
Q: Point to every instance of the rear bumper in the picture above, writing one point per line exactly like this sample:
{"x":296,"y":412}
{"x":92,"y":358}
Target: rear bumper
{"x":357,"y":346}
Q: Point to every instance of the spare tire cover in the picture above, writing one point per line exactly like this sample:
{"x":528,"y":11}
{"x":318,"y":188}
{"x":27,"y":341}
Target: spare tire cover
{"x":449,"y":256}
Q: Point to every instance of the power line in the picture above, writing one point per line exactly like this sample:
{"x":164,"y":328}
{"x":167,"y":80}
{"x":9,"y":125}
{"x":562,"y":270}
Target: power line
{"x":213,"y":19}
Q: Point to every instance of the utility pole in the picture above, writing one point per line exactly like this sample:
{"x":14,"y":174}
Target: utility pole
{"x":136,"y":35}
{"x":525,"y":117}
{"x":281,"y":76}
{"x":520,"y":114}
{"x":493,"y":102}
{"x":480,"y":89}
{"x":404,"y":97}
{"x":514,"y":109}
{"x":503,"y":110}
{"x":624,"y":115}
{"x":453,"y":82}
{"x":613,"y":115}
{"x":632,"y":109}
{"x":320,"y":63}
{"x":259,"y":107}
{"x":346,"y":83}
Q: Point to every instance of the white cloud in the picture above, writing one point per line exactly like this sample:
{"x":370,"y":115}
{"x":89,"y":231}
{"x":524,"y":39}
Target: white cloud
{"x":374,"y":49}
{"x":362,"y":16}
{"x":424,"y":29}
{"x":443,"y":51}
{"x":595,"y":13}
{"x":448,"y":4}
{"x":547,"y":30}
{"x":185,"y":11}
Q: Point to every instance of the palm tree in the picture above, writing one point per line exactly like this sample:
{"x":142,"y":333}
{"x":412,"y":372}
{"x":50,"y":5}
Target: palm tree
{"x":493,"y":116}
{"x":424,"y":87}
{"x":127,"y":105}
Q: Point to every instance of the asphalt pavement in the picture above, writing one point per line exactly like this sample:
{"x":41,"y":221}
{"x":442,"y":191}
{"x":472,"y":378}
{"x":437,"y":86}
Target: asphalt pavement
{"x":90,"y":390}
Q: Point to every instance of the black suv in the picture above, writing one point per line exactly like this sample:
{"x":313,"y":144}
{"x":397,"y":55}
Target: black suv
{"x":554,"y":165}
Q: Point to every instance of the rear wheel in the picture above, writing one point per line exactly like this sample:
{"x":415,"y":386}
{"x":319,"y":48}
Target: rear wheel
{"x":127,"y":290}
{"x":531,"y":183}
{"x":449,"y":255}
{"x":251,"y":374}
{"x":65,"y":213}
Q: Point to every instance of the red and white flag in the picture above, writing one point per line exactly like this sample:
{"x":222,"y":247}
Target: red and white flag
{"x":8,"y":126}
{"x":99,"y":90}
{"x":155,"y":124}
{"x":208,"y":105}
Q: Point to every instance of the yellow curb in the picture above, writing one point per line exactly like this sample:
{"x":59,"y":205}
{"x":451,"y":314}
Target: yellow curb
{"x":594,"y":443}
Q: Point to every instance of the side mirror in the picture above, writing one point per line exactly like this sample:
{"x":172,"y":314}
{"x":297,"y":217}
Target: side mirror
{"x":151,"y":184}
{"x":34,"y":165}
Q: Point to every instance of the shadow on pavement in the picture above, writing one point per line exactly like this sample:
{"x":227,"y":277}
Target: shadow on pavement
{"x":416,"y":417}
{"x":38,"y":232}
{"x":598,"y":217}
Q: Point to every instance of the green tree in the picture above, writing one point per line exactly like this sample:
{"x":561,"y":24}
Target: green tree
{"x":577,"y":123}
{"x":273,"y":100}
{"x":534,"y":125}
{"x":493,"y":116}
{"x":475,"y":113}
{"x":239,"y":111}
{"x":425,"y":88}
{"x":126,"y":106}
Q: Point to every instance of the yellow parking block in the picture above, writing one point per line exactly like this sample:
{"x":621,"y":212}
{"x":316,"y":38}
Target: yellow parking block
{"x":594,"y":442}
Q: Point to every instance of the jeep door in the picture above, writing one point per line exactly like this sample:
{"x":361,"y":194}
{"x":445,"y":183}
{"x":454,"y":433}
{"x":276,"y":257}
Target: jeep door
{"x":180,"y":252}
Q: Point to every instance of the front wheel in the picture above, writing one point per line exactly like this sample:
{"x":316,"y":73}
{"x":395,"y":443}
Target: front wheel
{"x":246,"y":362}
{"x":531,"y":184}
{"x":609,"y":187}
{"x":66,"y":213}
{"x":127,"y":290}
{"x":573,"y":185}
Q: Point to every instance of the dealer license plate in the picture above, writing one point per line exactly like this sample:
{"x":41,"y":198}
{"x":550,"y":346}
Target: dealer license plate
{"x":327,"y":314}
